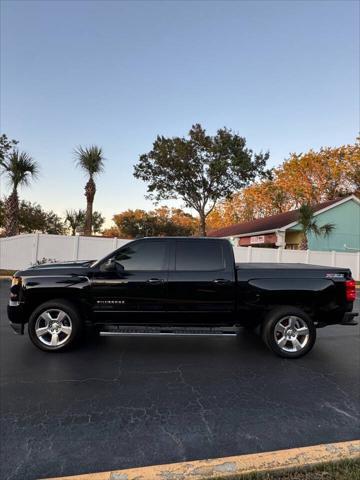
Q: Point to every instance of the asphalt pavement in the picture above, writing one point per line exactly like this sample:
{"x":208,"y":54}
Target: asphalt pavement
{"x":126,"y":402}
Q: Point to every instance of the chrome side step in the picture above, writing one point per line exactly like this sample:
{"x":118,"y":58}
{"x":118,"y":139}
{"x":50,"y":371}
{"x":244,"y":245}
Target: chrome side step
{"x":168,"y":332}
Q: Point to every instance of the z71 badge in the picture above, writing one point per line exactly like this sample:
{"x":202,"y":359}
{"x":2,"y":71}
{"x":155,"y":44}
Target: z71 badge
{"x":334,"y":275}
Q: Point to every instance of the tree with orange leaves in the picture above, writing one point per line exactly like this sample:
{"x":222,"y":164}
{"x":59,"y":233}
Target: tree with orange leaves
{"x":319,"y":176}
{"x":311,"y":177}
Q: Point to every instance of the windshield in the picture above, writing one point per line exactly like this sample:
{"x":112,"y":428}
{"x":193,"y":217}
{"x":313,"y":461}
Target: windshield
{"x":96,"y":263}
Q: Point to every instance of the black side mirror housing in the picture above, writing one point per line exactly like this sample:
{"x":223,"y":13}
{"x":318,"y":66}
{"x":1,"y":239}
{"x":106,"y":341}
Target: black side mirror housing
{"x":108,"y":266}
{"x":112,"y":265}
{"x":119,"y":267}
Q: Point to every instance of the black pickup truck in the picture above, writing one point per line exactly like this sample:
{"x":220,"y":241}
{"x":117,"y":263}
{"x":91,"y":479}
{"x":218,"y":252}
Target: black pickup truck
{"x":180,"y":286}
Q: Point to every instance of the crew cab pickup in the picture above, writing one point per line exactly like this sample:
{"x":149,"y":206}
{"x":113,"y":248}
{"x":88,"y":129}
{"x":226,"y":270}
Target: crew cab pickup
{"x":180,"y":286}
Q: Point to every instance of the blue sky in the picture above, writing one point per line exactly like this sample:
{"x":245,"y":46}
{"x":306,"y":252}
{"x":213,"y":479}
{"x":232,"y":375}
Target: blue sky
{"x":284,"y":74}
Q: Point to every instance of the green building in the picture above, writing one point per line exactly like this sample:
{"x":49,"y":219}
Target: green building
{"x":345,"y":215}
{"x":283,"y":230}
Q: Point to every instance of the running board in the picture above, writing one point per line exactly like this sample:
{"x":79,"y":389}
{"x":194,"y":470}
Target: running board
{"x":168,"y":332}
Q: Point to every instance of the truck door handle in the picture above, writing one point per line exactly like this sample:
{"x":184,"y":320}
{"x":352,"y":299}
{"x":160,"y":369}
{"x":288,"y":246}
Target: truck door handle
{"x":222,"y":281}
{"x":154,"y":281}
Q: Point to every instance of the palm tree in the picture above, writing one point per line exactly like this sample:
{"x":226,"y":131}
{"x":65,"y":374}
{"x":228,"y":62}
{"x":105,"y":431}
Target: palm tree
{"x":308,"y":224}
{"x":20,"y":168}
{"x":75,"y":219}
{"x":91,"y":161}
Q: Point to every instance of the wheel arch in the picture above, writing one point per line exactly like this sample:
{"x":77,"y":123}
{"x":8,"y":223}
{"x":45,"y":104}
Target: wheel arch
{"x":35,"y":299}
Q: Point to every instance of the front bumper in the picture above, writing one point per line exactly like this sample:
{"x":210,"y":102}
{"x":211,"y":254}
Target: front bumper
{"x":16,"y":316}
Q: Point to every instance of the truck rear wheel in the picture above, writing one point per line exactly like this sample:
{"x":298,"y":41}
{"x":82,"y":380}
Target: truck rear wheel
{"x":289,"y":332}
{"x":55,"y":326}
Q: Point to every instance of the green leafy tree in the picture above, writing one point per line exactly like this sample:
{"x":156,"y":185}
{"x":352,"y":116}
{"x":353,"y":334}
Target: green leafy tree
{"x":91,"y":161}
{"x":308,"y":224}
{"x":200,"y":170}
{"x":20,"y":169}
{"x":6,"y":146}
{"x":32,"y":218}
{"x":97,"y":222}
{"x":160,"y":222}
{"x":53,"y":224}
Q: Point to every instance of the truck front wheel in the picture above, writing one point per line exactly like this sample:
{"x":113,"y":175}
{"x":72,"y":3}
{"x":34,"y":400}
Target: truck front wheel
{"x":54,"y":325}
{"x":289,"y":332}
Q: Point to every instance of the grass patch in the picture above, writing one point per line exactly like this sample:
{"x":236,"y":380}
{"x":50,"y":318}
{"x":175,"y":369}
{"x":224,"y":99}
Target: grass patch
{"x":6,"y":273}
{"x":342,"y":470}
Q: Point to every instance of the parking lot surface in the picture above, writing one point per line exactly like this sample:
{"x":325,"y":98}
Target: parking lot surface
{"x":127,"y":402}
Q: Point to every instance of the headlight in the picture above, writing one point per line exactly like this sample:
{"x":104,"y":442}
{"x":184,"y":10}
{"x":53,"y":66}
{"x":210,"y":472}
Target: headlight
{"x":16,"y":281}
{"x":15,"y":288}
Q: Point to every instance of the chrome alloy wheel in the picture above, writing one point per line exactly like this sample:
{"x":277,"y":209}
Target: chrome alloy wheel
{"x":53,"y":327}
{"x":291,"y":333}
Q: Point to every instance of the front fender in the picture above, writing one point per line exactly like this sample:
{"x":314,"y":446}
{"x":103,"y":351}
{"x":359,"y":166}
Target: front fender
{"x":39,"y":289}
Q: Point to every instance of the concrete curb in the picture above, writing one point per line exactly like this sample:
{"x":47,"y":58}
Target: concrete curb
{"x":228,"y":467}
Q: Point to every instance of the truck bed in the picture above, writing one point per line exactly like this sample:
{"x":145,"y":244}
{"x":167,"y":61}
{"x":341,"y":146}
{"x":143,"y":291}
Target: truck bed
{"x":246,"y":271}
{"x":288,"y":266}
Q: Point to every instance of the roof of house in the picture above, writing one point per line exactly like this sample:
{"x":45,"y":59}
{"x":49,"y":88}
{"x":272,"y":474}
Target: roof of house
{"x":272,"y":223}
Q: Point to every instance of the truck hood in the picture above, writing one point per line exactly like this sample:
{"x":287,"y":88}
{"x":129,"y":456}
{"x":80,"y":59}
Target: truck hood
{"x":78,"y":268}
{"x":76,"y":263}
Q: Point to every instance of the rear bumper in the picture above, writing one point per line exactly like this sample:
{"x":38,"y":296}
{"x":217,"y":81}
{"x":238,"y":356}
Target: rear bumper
{"x":18,"y":328}
{"x":348,"y":318}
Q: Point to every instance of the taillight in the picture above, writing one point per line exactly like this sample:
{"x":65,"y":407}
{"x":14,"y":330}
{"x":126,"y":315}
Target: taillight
{"x":350,"y":290}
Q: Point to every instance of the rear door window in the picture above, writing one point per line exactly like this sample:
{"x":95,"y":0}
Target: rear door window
{"x":199,"y":256}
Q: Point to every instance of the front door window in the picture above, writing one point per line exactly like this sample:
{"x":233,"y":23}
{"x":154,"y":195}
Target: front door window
{"x":143,"y":256}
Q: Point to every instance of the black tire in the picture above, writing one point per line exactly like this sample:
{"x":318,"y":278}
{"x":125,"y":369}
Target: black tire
{"x":282,"y":342}
{"x":70,"y":320}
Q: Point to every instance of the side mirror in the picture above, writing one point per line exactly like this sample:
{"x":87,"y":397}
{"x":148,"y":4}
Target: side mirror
{"x":108,"y":266}
{"x":112,"y":265}
{"x":119,"y":267}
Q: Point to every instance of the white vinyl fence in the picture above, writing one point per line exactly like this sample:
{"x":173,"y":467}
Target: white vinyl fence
{"x":24,"y":250}
{"x":279,"y":255}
